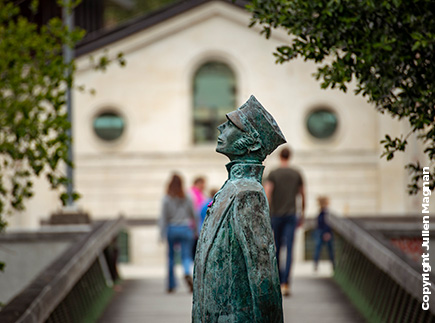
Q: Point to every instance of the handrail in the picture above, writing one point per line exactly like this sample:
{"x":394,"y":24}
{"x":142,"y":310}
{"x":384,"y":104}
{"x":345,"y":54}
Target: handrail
{"x":40,"y":298}
{"x":377,"y":249}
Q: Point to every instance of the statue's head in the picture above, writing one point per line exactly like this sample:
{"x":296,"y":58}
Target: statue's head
{"x":249,"y":133}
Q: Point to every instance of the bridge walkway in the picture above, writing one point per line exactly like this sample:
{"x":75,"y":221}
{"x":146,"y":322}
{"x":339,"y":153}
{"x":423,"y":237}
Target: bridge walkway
{"x":141,"y":298}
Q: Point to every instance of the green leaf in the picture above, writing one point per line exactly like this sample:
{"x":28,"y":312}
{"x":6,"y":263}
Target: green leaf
{"x":386,"y":47}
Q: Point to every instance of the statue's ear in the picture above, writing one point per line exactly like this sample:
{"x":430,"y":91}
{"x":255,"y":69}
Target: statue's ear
{"x":255,"y":147}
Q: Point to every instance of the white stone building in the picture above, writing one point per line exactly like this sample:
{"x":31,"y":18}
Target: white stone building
{"x":153,"y":102}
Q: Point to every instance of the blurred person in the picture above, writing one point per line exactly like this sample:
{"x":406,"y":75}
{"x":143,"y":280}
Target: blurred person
{"x":177,"y":225}
{"x":197,"y":193}
{"x":282,"y":188}
{"x":323,"y":232}
{"x":198,"y":198}
{"x":205,"y":206}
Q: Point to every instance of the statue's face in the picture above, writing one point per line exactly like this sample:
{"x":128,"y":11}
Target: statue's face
{"x":226,"y":140}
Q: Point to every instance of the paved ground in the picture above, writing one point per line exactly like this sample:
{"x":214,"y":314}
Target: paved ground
{"x":142,"y":298}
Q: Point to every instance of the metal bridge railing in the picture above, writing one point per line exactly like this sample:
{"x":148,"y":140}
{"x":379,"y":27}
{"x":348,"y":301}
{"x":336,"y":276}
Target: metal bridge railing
{"x":74,"y":288}
{"x":384,"y":285}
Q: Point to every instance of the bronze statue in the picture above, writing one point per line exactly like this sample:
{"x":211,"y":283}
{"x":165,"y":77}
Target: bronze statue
{"x":236,"y":276}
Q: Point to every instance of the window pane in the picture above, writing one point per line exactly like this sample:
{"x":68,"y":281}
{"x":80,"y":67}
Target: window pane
{"x":322,"y":123}
{"x":214,"y":96}
{"x":109,"y":126}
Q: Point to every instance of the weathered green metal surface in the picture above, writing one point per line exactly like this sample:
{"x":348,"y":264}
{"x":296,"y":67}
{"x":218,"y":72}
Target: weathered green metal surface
{"x":236,"y":275}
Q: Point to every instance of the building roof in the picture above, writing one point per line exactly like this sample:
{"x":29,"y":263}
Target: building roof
{"x":98,"y":40}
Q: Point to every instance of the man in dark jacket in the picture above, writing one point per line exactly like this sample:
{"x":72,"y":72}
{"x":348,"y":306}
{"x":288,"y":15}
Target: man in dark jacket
{"x":236,"y":275}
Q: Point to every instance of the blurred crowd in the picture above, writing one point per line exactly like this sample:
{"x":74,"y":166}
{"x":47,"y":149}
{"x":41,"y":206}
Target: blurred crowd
{"x":183,"y":213}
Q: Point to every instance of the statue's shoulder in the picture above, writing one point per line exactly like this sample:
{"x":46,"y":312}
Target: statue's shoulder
{"x":250,"y":199}
{"x":248,"y":186}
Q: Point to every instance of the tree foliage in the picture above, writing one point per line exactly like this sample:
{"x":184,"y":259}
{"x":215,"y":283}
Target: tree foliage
{"x":385,"y":47}
{"x":33,"y":117}
{"x":34,"y":123}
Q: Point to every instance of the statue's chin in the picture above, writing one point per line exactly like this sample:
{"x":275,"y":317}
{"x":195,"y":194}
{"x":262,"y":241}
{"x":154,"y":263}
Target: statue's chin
{"x":221,"y":150}
{"x":233,"y":155}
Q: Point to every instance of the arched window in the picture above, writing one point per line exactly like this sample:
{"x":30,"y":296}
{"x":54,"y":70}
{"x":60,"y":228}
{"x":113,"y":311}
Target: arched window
{"x":214,"y":95}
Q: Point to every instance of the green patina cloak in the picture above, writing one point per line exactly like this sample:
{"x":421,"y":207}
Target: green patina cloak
{"x":236,"y":275}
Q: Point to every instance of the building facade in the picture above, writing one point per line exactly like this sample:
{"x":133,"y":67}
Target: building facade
{"x":186,"y":67}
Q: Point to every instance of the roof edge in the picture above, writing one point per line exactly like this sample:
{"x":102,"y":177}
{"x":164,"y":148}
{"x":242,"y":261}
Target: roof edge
{"x":99,"y":40}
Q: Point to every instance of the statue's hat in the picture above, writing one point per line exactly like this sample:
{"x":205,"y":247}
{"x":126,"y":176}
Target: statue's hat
{"x":252,"y":117}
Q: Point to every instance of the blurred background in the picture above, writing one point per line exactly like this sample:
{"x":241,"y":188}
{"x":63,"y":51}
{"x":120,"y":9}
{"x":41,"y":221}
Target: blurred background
{"x":188,"y":64}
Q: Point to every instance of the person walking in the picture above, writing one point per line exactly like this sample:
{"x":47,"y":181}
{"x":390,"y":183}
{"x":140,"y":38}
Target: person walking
{"x":323,"y":232}
{"x":178,"y":226}
{"x":282,"y":188}
{"x":198,"y":198}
